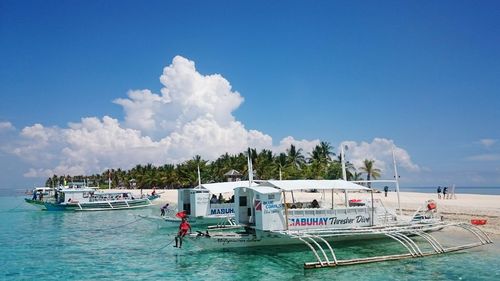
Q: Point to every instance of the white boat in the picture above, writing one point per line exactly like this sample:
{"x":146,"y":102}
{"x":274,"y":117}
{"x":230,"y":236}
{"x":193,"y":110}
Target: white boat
{"x":199,"y":205}
{"x":270,"y":219}
{"x":90,"y":199}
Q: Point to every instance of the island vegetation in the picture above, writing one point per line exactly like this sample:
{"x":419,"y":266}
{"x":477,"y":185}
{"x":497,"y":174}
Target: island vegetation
{"x":320,"y":163}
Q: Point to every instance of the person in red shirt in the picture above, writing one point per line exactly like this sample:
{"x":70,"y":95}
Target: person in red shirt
{"x":183,"y":230}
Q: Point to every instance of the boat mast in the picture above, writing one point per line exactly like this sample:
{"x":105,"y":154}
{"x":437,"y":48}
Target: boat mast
{"x":342,"y":156}
{"x":397,"y":180}
{"x":199,"y":176}
{"x":344,"y":173}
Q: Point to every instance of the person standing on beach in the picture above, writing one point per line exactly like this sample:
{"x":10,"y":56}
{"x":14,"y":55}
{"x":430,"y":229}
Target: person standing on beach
{"x":445,"y":190}
{"x":183,"y":230}
{"x":439,"y":192}
{"x":386,"y":189}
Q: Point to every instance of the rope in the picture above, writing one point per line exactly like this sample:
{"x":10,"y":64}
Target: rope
{"x":162,"y":247}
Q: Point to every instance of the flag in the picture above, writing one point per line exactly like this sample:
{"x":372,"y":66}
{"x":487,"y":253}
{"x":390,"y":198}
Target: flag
{"x":181,"y":214}
{"x":258,"y":205}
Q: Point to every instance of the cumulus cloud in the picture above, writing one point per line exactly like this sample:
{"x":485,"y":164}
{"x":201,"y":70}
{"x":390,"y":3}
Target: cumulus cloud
{"x":380,"y":150}
{"x":192,"y":115}
{"x":487,"y":143}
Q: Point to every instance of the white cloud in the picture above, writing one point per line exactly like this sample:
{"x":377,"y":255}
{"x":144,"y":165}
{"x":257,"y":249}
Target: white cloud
{"x":380,"y":150}
{"x":306,"y":145}
{"x":192,"y":115}
{"x":487,"y":143}
{"x":6,"y":126}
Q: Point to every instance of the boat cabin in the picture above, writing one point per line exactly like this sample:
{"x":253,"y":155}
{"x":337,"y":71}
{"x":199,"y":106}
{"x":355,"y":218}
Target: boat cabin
{"x":84,"y":195}
{"x":270,"y":207}
{"x":204,"y":200}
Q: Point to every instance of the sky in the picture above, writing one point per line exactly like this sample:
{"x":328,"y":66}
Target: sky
{"x":91,"y":85}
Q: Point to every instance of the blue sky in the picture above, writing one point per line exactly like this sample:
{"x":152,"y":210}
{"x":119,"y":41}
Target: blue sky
{"x":419,"y":75}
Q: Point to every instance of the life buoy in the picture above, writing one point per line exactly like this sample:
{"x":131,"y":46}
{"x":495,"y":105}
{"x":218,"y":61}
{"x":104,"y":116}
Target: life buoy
{"x":431,"y":205}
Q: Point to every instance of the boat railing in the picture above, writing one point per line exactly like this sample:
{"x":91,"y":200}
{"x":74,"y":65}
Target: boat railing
{"x":324,"y":211}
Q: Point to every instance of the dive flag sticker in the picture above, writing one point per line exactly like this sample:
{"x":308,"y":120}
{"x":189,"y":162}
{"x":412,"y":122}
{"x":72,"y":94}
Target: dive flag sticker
{"x":258,"y":205}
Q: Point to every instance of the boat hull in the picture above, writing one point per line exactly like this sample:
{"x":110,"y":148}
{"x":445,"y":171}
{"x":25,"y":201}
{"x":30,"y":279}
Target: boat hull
{"x":199,"y":221}
{"x":37,"y":203}
{"x":99,"y":206}
{"x":229,"y":240}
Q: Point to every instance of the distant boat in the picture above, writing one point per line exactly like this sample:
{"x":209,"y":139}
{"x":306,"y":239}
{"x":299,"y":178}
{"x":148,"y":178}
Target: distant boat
{"x":89,"y":199}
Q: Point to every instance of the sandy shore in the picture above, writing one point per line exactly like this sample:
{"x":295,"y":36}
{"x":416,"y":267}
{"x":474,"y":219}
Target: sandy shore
{"x":462,"y":209}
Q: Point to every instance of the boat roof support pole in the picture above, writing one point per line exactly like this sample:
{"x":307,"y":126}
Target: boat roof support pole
{"x":286,"y":210}
{"x":332,"y":199}
{"x":346,"y":199}
{"x":373,"y":211}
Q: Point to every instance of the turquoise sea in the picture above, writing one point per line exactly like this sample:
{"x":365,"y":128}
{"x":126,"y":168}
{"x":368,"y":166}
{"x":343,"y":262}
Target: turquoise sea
{"x":118,"y":245}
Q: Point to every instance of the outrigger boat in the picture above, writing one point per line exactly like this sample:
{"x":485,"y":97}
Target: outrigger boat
{"x":37,"y":200}
{"x":268,"y":218}
{"x":89,"y":199}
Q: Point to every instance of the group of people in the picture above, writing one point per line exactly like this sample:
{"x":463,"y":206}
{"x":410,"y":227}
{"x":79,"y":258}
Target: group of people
{"x":37,"y":194}
{"x":220,"y":199}
{"x":446,"y":194}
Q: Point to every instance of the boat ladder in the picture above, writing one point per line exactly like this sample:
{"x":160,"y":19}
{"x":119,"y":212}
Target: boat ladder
{"x":326,"y":256}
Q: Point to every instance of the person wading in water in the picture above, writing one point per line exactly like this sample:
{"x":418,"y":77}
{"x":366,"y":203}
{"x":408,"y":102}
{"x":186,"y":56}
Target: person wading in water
{"x":183,"y":230}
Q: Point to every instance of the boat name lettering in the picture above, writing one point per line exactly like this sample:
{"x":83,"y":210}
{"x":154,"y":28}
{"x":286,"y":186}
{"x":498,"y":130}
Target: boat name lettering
{"x":269,"y":205}
{"x":325,"y":221}
{"x":308,"y":221}
{"x":221,"y":211}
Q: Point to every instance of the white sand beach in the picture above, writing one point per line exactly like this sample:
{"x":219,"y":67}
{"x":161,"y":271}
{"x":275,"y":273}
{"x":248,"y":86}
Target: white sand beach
{"x":464,"y":208}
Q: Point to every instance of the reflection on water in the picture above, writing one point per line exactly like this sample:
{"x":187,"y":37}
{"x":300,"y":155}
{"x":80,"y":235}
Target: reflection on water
{"x":117,"y":245}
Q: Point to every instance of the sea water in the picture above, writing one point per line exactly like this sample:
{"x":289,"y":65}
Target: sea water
{"x":120,"y":245}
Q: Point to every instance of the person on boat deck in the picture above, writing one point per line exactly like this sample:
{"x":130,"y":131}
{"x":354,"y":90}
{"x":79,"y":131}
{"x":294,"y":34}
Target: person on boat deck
{"x":183,"y":230}
{"x":315,"y":204}
{"x":162,"y":209}
{"x":34,"y":195}
{"x":439,"y":192}
{"x":154,"y":191}
{"x":386,"y":189}
{"x":41,"y":195}
{"x":221,"y":198}
{"x":213,"y":200}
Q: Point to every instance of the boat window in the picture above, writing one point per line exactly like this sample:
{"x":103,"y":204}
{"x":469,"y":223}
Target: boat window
{"x":270,"y":196}
{"x":243,"y":201}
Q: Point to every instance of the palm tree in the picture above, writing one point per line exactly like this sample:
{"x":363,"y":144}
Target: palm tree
{"x":295,"y":157}
{"x":370,"y":170}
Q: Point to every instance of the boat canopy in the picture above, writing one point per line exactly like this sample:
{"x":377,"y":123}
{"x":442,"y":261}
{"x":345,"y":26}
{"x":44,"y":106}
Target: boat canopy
{"x":223,"y":187}
{"x":77,"y":190}
{"x":263,"y":189}
{"x":292,"y":185}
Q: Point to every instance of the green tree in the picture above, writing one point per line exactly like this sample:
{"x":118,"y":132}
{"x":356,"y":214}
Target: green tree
{"x":370,"y":170}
